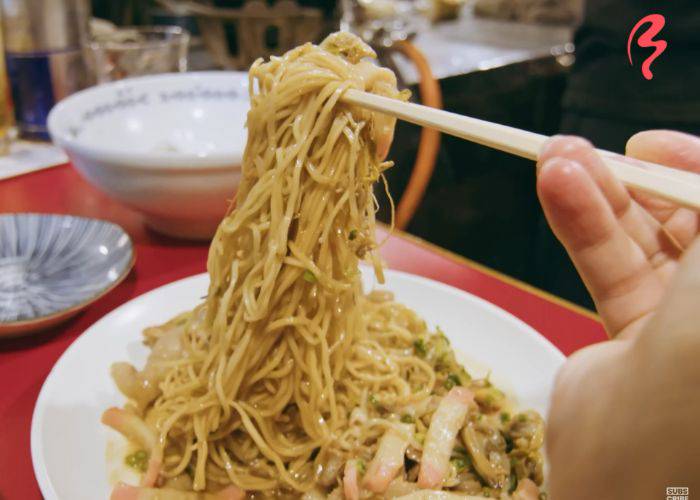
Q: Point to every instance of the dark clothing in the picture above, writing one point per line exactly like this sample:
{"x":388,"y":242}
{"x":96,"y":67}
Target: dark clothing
{"x":607,"y":100}
{"x":604,"y":84}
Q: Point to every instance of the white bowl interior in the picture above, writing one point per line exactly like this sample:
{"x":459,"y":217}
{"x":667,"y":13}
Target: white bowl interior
{"x":182,"y":114}
{"x":69,"y":445}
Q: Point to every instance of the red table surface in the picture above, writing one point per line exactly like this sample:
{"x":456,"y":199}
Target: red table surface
{"x":25,"y":362}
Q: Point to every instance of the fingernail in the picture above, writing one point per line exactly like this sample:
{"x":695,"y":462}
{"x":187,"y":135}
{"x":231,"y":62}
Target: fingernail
{"x":547,"y":146}
{"x":564,"y":145}
{"x":547,"y":164}
{"x":559,"y":161}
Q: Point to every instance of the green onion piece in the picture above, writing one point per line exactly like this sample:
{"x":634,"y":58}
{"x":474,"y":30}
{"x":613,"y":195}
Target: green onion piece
{"x":505,"y":417}
{"x":452,"y":380}
{"x":420,"y":348}
{"x":137,"y":460}
{"x":352,"y":234}
{"x":459,"y":464}
{"x":310,"y":277}
{"x":373,"y":400}
{"x":522,"y":418}
{"x":361,"y":466}
{"x":407,"y":419}
{"x":512,"y":483}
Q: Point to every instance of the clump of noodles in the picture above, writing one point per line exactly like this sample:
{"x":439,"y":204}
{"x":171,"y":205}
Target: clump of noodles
{"x":257,"y":391}
{"x":288,"y":371}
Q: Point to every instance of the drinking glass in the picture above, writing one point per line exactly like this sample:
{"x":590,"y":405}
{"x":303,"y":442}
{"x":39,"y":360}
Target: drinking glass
{"x":140,"y":50}
{"x":383,"y":22}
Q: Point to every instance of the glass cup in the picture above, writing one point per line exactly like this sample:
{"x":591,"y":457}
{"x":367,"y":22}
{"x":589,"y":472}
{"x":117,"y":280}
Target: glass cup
{"x":140,"y":50}
{"x":383,"y":22}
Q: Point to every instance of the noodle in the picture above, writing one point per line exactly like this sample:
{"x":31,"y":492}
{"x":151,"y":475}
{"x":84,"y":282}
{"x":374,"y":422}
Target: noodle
{"x":288,"y":371}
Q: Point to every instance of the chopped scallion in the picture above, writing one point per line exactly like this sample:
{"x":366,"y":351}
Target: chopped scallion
{"x":407,"y":419}
{"x":137,"y":460}
{"x":452,"y":380}
{"x":513,"y":483}
{"x":420,"y":347}
{"x":460,"y":463}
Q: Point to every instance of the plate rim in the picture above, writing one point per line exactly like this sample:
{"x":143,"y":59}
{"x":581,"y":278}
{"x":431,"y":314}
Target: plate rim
{"x":36,"y":449}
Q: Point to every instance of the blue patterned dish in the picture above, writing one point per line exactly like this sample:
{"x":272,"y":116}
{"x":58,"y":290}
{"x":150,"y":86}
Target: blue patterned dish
{"x":52,"y":266}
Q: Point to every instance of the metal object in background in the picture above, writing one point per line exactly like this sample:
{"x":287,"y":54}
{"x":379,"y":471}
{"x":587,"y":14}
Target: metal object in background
{"x":238,"y":36}
{"x":44,"y":54}
{"x":565,"y":12}
{"x":137,"y":50}
{"x":470,"y":45}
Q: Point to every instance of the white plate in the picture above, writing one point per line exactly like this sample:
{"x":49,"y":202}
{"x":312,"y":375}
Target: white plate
{"x":68,"y":442}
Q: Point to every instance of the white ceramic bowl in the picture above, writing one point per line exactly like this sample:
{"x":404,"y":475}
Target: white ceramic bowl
{"x":169,"y":146}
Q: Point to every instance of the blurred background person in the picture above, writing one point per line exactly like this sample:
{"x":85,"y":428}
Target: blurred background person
{"x":607,"y":101}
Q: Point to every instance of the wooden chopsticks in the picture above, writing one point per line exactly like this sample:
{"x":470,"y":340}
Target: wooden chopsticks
{"x":680,"y":187}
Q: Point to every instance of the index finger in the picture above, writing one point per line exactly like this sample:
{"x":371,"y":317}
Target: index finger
{"x":614,"y":268}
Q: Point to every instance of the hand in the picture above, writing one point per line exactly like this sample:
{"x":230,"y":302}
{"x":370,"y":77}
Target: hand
{"x":626,"y":247}
{"x":624,"y":412}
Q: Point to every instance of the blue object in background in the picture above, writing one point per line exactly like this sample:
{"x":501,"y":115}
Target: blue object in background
{"x":30,"y":81}
{"x":38,"y":81}
{"x":43,"y":42}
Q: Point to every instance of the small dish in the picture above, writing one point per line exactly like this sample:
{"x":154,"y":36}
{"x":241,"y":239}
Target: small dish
{"x":53,"y":266}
